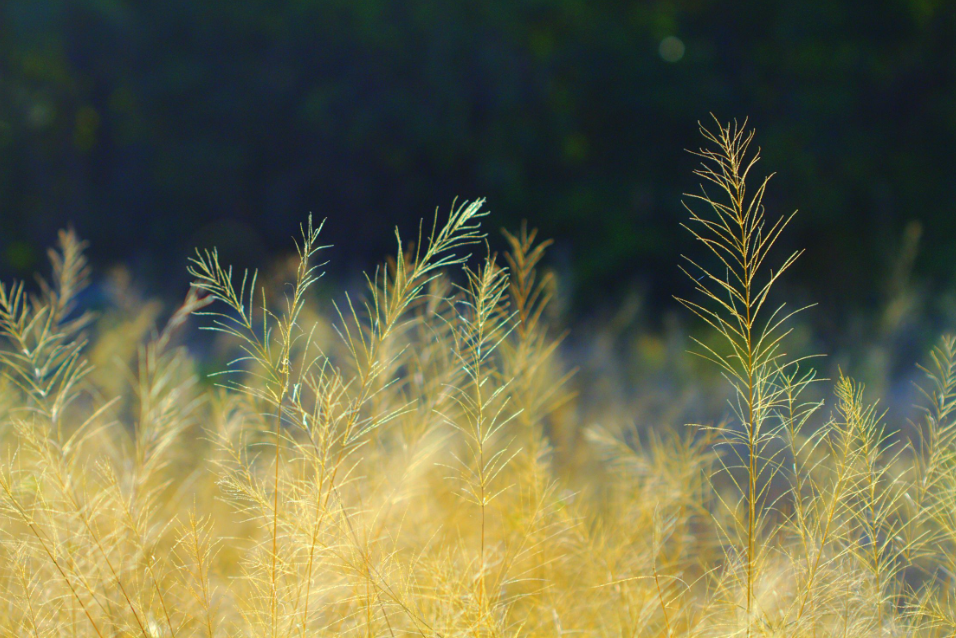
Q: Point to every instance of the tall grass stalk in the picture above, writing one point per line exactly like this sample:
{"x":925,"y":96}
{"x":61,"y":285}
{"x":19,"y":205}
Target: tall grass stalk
{"x":736,"y":232}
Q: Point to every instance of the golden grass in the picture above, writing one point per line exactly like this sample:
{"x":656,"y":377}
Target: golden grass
{"x":400,"y":464}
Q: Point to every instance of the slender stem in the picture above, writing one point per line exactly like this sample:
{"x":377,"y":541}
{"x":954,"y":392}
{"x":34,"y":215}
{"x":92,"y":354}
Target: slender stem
{"x":752,"y":430}
{"x":202,"y":581}
{"x":275,"y":520}
{"x":660,"y":597}
{"x":481,"y":480}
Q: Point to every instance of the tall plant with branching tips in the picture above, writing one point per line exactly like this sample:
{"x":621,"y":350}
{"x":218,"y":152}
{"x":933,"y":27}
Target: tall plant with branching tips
{"x":268,"y":346}
{"x":733,"y":226}
{"x":342,"y":413}
{"x":932,"y":496}
{"x":532,"y":353}
{"x":44,"y":358}
{"x":934,"y":449}
{"x":876,"y":542}
{"x":484,"y":322}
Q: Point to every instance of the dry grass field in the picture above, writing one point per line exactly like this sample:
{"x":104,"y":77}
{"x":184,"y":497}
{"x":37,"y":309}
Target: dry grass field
{"x":415,"y":461}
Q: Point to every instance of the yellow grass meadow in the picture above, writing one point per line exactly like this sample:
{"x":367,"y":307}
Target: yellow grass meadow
{"x":413,"y":461}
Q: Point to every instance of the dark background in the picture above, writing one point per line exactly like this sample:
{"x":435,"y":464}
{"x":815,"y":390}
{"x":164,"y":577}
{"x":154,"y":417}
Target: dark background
{"x":154,"y":127}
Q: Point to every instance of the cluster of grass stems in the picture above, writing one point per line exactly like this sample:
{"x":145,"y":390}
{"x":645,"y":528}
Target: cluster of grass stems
{"x":389,"y":465}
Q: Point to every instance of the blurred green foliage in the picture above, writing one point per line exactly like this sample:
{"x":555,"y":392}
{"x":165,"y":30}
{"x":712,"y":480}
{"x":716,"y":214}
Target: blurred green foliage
{"x":157,"y":126}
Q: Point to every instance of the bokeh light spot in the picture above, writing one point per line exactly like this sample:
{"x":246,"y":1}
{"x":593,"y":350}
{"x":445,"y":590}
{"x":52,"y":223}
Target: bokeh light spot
{"x":672,"y":49}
